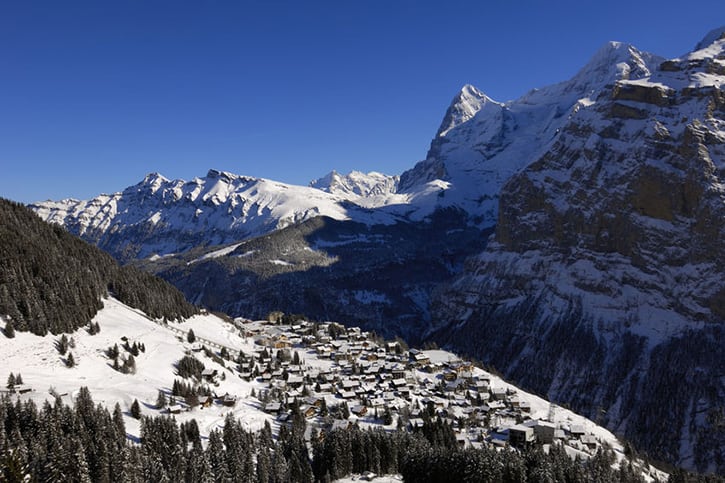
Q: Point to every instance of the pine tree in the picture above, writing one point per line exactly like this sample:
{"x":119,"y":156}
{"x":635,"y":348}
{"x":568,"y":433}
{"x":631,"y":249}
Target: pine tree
{"x":70,"y":360}
{"x":191,"y":337}
{"x":161,"y":400}
{"x":11,"y":381}
{"x":62,"y":345}
{"x":9,"y":330}
{"x":18,"y":379}
{"x":135,"y":409}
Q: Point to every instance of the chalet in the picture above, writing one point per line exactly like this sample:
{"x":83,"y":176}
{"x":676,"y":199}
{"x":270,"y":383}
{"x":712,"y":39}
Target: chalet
{"x":205,"y":401}
{"x":197,"y":347}
{"x":359,"y":410}
{"x":313,"y":401}
{"x":229,"y":400}
{"x":349,"y":384}
{"x":590,"y":441}
{"x":347,"y":394}
{"x":521,"y":435}
{"x":295,"y":381}
{"x":498,"y":393}
{"x":398,"y":383}
{"x":21,"y":389}
{"x":209,"y":374}
{"x":421,"y":359}
{"x":577,"y":430}
{"x":272,"y":407}
{"x":175,"y":409}
{"x":327,"y":387}
{"x":308,"y":411}
{"x":282,"y":343}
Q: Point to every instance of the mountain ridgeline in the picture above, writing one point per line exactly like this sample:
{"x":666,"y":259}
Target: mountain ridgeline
{"x":51,"y":281}
{"x":602,"y":286}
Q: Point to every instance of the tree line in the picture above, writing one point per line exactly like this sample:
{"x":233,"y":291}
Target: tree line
{"x":87,"y":442}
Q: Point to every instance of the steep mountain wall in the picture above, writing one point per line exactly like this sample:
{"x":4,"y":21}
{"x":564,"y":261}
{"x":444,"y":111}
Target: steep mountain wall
{"x":604,"y":286}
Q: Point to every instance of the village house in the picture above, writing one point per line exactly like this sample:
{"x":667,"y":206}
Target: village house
{"x":520,"y":435}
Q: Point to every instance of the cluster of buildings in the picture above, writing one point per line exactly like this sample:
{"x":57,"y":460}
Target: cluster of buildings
{"x":319,"y":368}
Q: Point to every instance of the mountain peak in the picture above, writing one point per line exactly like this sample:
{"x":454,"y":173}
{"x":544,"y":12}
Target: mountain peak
{"x":464,"y":106}
{"x":356,"y":184}
{"x":154,"y":178}
{"x":711,"y":37}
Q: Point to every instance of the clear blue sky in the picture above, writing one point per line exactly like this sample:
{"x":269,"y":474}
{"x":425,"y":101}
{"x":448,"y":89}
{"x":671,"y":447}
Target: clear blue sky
{"x":94,"y":95}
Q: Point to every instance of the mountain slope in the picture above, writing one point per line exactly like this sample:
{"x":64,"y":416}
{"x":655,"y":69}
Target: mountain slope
{"x":608,"y":263}
{"x":52,"y":281}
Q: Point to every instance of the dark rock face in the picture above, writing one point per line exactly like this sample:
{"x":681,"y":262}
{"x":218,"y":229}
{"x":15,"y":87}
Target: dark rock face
{"x":604,"y":285}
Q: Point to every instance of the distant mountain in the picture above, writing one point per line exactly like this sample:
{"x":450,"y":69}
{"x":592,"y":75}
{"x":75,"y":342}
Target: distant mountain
{"x":356,"y":185}
{"x":50,"y":281}
{"x":607,"y":267}
{"x":160,"y":217}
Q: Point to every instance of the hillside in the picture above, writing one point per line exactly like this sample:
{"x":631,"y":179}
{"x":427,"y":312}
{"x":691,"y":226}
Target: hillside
{"x":285,"y":379}
{"x":51,"y":281}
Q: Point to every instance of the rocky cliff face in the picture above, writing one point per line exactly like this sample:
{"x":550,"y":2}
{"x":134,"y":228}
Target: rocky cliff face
{"x":604,"y":286}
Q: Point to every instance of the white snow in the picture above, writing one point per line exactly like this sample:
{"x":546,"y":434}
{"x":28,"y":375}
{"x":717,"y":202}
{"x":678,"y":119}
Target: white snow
{"x":218,"y":253}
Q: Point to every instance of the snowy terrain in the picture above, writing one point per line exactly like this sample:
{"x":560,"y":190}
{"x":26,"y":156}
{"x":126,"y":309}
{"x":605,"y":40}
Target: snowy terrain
{"x":44,"y":370}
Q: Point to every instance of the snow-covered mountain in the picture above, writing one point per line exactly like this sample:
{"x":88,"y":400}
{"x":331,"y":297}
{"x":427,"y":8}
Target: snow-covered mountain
{"x":356,"y":184}
{"x":481,"y":143}
{"x":608,"y":261}
{"x":159,"y":216}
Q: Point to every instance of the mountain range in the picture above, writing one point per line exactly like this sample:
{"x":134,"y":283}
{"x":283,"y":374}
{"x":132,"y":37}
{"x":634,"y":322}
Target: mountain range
{"x":572,"y":238}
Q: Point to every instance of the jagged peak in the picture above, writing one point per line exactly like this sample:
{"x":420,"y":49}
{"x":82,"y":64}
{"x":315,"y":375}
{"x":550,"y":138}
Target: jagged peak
{"x":463,"y":107}
{"x":216,"y":173}
{"x":615,"y":61}
{"x":154,"y":178}
{"x":711,"y":37}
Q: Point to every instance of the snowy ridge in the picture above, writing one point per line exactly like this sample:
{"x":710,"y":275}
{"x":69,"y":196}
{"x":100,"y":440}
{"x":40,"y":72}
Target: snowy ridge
{"x":165,"y":216}
{"x":357,"y":184}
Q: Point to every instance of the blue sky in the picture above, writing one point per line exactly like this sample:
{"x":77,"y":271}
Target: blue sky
{"x":94,"y":95}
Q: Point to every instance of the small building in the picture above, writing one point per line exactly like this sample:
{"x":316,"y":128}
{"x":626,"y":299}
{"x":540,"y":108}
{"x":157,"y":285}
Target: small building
{"x":205,"y":401}
{"x":308,"y":411}
{"x":544,"y":432}
{"x":209,"y":374}
{"x":577,"y":430}
{"x":175,"y":409}
{"x":521,"y":435}
{"x":272,"y":407}
{"x":359,"y":410}
{"x":229,"y":400}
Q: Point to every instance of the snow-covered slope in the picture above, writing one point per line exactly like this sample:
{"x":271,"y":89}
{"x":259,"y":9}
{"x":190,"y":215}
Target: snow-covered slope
{"x":159,"y":216}
{"x":608,"y":262}
{"x":45,"y":373}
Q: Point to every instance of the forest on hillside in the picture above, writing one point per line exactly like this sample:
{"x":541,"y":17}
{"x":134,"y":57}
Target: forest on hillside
{"x":52,"y":281}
